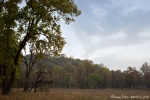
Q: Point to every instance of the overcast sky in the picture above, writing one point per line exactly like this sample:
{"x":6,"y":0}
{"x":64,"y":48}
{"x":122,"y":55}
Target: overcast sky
{"x":113,"y":32}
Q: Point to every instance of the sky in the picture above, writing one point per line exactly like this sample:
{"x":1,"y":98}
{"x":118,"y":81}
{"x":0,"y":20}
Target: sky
{"x":113,"y":32}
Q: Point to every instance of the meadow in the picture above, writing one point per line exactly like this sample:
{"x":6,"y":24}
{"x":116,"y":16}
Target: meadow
{"x":79,"y":94}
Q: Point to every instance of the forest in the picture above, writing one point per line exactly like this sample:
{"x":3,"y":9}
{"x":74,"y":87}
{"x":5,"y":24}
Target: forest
{"x":68,"y":72}
{"x":32,"y":66}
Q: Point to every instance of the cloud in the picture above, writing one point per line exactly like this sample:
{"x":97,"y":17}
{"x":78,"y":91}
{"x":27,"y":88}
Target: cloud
{"x":110,"y":22}
{"x":121,"y":58}
{"x":113,"y":27}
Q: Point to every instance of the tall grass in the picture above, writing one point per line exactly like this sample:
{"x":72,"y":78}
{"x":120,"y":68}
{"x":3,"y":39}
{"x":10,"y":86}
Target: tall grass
{"x":77,"y":94}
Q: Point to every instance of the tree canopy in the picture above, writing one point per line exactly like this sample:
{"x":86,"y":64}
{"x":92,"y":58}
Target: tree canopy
{"x":36,"y":24}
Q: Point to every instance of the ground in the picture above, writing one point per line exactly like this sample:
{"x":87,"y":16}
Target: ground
{"x":79,"y":94}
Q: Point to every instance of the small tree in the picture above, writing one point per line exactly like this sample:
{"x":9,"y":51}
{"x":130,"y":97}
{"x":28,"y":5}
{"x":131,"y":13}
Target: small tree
{"x":29,"y":64}
{"x":40,"y":81}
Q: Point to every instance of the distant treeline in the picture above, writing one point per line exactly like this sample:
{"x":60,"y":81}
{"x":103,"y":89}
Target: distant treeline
{"x":64,"y":72}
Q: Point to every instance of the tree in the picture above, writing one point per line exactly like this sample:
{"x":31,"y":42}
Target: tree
{"x":41,"y":74}
{"x":117,"y":79}
{"x":146,"y":74}
{"x":145,"y":68}
{"x":31,"y":62}
{"x":58,"y":73}
{"x":139,"y":79}
{"x":69,"y":71}
{"x":80,"y":75}
{"x":35,"y":57}
{"x":95,"y":80}
{"x":130,"y":76}
{"x":22,"y":26}
{"x":105,"y":73}
{"x":9,"y":44}
{"x":29,"y":66}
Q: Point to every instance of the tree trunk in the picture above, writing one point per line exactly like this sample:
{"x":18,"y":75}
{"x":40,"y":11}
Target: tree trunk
{"x":4,"y":86}
{"x":7,"y":83}
{"x":26,"y":87}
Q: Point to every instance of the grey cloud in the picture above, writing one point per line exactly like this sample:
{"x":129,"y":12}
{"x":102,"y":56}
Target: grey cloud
{"x":114,"y":21}
{"x":114,"y":64}
{"x":86,"y":22}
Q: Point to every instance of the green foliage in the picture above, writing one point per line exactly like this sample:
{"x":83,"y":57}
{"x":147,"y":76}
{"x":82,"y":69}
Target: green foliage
{"x":58,"y":70}
{"x":67,"y":80}
{"x":42,"y":18}
{"x":26,"y":25}
{"x":8,"y":40}
{"x":94,"y":79}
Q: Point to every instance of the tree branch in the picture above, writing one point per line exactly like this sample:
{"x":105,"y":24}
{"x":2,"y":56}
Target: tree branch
{"x":2,"y":2}
{"x":25,"y":61}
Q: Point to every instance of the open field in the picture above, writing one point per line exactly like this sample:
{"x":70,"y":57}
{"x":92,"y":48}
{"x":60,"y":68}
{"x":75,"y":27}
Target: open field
{"x":79,"y":94}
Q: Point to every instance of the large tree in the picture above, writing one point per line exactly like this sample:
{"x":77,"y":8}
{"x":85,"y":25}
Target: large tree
{"x":37,"y":22}
{"x":146,"y":74}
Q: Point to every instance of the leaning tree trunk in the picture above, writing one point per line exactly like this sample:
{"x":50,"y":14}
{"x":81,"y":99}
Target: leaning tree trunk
{"x":8,"y":82}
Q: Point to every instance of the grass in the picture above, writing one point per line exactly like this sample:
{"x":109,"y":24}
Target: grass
{"x":78,"y":94}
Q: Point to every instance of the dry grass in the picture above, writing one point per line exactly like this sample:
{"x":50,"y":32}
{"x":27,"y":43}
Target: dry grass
{"x":77,"y":94}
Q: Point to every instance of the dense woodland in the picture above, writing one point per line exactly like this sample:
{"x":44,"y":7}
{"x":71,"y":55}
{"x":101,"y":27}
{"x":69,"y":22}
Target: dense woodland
{"x":64,"y":72}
